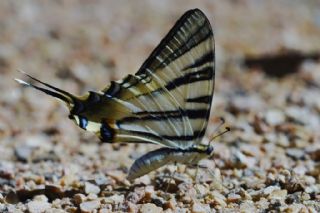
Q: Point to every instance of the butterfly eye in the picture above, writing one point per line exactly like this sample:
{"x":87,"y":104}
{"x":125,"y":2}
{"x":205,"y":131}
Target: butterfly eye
{"x":209,"y":150}
{"x":71,"y":117}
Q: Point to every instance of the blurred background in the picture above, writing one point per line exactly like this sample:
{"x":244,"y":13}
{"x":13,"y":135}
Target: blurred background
{"x":267,"y":78}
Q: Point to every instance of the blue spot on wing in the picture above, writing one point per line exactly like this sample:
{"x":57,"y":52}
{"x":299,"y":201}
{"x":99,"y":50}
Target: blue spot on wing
{"x":83,"y":122}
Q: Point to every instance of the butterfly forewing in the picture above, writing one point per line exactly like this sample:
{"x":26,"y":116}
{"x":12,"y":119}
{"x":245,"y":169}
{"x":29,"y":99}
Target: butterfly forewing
{"x":169,"y":98}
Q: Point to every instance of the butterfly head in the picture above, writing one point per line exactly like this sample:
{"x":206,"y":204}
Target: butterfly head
{"x":209,"y":150}
{"x":209,"y":146}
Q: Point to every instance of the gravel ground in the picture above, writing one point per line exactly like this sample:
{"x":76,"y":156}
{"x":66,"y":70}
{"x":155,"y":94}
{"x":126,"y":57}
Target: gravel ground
{"x":270,"y":161}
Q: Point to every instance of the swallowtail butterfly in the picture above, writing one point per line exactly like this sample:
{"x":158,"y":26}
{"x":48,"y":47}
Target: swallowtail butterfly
{"x":167,"y":102}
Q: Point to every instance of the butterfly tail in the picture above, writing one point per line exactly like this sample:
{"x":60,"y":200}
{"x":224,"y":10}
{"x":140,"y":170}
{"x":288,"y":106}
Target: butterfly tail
{"x":48,"y":89}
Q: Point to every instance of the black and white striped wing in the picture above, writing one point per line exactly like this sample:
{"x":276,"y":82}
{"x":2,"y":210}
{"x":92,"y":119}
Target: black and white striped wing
{"x":169,"y":98}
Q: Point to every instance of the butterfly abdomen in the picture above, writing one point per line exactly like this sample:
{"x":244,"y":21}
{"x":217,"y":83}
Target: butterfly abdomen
{"x":160,"y":157}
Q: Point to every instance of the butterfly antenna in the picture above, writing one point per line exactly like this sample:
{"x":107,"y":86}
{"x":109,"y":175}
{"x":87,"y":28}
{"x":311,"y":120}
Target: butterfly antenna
{"x":218,"y":135}
{"x":222,"y":121}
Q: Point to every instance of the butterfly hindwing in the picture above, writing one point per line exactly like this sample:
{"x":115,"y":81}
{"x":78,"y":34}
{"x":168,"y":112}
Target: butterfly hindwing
{"x":169,"y":98}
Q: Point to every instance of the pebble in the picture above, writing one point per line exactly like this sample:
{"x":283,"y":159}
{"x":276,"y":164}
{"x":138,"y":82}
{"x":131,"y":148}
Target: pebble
{"x":41,"y":198}
{"x":296,"y":208}
{"x":114,"y":199}
{"x":295,"y":153}
{"x":233,"y":198}
{"x":219,"y":199}
{"x":248,"y":206}
{"x":144,"y":180}
{"x":92,"y":196}
{"x":270,"y":189}
{"x":79,"y":198}
{"x":315,"y":154}
{"x":200,"y":208}
{"x":119,"y":176}
{"x":38,"y":206}
{"x":263,"y":203}
{"x":150,"y":208}
{"x":201,"y":189}
{"x":171,"y":204}
{"x":23,"y":153}
{"x":278,"y":194}
{"x":90,"y":188}
{"x":148,"y":193}
{"x":89,"y":206}
{"x":274,"y":117}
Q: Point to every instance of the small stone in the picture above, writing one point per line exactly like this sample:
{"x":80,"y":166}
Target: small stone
{"x":132,"y":207}
{"x":270,"y":189}
{"x":201,"y":189}
{"x":278,"y":194}
{"x":23,"y":153}
{"x":263,"y":203}
{"x":92,"y":196}
{"x":296,"y":207}
{"x":248,"y":206}
{"x":71,"y":209}
{"x":233,"y":198}
{"x":171,"y":204}
{"x":119,"y":176}
{"x":79,"y":198}
{"x":274,"y":117}
{"x":144,"y":180}
{"x":200,"y":208}
{"x":305,"y":196}
{"x":296,"y":154}
{"x":315,"y":154}
{"x":149,"y":189}
{"x":244,"y":194}
{"x":150,"y":208}
{"x":105,"y":210}
{"x":37,"y":206}
{"x":90,"y":188}
{"x":256,"y":194}
{"x":89,"y":206}
{"x":40,"y":198}
{"x":219,"y":199}
{"x":114,"y":199}
{"x":136,"y":196}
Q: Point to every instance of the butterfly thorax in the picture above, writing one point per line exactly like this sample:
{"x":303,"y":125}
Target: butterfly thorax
{"x":93,"y":112}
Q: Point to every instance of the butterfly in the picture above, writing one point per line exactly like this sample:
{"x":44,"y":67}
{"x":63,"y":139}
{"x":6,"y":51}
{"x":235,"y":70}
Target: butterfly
{"x":167,"y":102}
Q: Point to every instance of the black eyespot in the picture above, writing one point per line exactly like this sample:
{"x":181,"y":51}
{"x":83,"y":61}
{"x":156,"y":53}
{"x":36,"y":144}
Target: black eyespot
{"x":106,"y":133}
{"x":71,"y":117}
{"x":83,"y":122}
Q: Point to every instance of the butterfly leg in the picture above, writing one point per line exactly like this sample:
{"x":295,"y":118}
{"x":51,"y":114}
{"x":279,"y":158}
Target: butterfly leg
{"x":196,"y":180}
{"x":171,"y":177}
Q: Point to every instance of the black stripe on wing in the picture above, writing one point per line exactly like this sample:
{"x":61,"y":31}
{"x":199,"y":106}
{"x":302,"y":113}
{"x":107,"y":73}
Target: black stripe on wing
{"x":164,"y":115}
{"x":207,"y":58}
{"x":190,"y":30}
{"x":167,"y":137}
{"x":202,"y":99}
{"x":202,"y":75}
